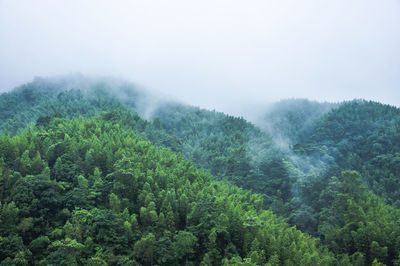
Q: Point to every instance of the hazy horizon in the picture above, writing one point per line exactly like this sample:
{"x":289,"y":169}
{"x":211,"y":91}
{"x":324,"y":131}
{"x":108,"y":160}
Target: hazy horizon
{"x":222,"y":55}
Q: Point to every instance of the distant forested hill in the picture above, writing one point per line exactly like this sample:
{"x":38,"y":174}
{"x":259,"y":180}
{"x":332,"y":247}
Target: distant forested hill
{"x":363,"y":136}
{"x":286,"y":118}
{"x":65,"y":96}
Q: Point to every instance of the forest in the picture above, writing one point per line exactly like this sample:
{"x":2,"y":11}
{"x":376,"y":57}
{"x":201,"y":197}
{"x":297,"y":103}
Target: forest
{"x":96,"y":172}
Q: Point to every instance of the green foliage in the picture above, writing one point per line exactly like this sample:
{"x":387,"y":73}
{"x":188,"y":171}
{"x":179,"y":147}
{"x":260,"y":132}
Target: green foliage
{"x":231,"y":149}
{"x":90,"y":191}
{"x":286,"y":118}
{"x":146,"y":205}
{"x":356,"y":222}
{"x":359,"y":135}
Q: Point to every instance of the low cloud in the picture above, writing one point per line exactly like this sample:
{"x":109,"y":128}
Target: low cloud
{"x":222,"y":55}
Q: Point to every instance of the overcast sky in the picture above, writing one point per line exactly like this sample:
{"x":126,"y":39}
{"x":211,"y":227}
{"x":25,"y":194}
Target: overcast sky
{"x":218,"y":54}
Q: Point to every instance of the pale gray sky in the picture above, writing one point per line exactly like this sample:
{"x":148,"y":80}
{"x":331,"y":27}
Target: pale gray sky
{"x":218,"y":54}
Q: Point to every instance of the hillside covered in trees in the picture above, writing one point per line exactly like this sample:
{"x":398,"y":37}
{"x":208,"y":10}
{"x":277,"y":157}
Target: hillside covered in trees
{"x":98,"y":171}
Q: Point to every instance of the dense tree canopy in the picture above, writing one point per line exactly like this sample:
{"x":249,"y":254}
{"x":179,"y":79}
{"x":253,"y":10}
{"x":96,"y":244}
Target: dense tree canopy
{"x":109,"y":187}
{"x":87,"y":191}
{"x":286,"y":118}
{"x":360,"y":135}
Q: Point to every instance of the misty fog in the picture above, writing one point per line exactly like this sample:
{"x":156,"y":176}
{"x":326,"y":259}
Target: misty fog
{"x":226,"y":55}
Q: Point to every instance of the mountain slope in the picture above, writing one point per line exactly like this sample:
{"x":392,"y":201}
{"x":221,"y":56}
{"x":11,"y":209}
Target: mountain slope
{"x":359,"y":135}
{"x":336,"y":205}
{"x":146,"y":205}
{"x":232,"y":149}
{"x":349,"y":219}
{"x":286,"y":118}
{"x":67,"y":96}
